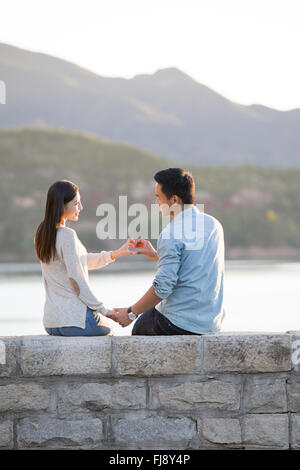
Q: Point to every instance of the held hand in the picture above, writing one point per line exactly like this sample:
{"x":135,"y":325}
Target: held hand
{"x":121,"y":316}
{"x":124,"y":249}
{"x":146,"y":248}
{"x":110,"y":313}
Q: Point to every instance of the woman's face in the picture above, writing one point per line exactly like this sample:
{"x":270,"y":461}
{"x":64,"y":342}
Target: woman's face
{"x":73,"y":208}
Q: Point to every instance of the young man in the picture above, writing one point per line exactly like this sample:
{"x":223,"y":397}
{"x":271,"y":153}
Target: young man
{"x":186,"y":296}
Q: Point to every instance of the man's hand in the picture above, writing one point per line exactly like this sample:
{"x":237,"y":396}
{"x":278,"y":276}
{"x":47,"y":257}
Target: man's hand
{"x":124,"y":249}
{"x":145,"y":248}
{"x":121,"y":316}
{"x":110,"y":313}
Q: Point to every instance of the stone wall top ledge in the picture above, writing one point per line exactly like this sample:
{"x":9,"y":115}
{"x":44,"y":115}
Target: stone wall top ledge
{"x":48,"y":355}
{"x":244,"y":352}
{"x":247,"y":352}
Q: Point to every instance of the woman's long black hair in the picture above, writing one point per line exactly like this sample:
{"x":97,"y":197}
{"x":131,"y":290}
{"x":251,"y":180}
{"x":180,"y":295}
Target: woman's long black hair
{"x":59,"y":194}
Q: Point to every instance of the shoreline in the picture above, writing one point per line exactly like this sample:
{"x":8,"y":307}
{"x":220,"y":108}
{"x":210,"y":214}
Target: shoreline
{"x":7,"y":269}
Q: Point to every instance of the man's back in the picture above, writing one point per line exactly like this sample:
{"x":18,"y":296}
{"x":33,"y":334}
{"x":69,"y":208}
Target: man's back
{"x":190,"y":272}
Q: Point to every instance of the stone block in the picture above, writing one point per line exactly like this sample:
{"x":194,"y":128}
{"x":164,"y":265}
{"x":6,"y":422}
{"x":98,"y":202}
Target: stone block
{"x":295,"y":431}
{"x":157,"y":355}
{"x":224,"y":431}
{"x":154,"y":430}
{"x":265,"y":395}
{"x":189,"y":395}
{"x":270,"y":431}
{"x":100,"y":396}
{"x":58,"y":433}
{"x":23,"y":396}
{"x":293,"y":388}
{"x":295,"y":350}
{"x":6,"y":434}
{"x":247,"y":352}
{"x":8,"y":355}
{"x":54,"y":355}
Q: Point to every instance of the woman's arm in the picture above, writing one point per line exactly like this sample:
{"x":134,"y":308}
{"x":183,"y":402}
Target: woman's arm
{"x":98,"y":260}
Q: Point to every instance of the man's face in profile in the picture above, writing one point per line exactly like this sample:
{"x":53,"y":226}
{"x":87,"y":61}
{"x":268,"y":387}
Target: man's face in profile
{"x":162,"y":200}
{"x":164,"y":203}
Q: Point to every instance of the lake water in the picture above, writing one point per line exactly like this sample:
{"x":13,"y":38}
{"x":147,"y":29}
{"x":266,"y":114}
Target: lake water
{"x":258,"y":297}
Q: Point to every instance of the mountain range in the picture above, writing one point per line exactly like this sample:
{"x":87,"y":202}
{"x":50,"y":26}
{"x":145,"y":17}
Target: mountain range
{"x":167,"y":113}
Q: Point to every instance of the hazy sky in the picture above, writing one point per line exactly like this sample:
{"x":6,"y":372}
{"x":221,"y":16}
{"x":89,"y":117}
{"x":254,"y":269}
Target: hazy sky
{"x":246,"y":50}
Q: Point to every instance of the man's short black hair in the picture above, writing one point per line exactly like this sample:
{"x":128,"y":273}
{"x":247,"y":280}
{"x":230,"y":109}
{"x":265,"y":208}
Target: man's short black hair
{"x":176,"y":181}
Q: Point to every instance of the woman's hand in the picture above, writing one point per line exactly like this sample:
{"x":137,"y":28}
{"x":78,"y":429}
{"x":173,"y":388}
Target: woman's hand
{"x":124,"y":249}
{"x":145,"y":248}
{"x":121,"y":316}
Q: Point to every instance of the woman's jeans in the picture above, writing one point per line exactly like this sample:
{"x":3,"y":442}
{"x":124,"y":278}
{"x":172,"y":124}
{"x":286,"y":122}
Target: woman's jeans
{"x":153,"y":323}
{"x":94,"y":326}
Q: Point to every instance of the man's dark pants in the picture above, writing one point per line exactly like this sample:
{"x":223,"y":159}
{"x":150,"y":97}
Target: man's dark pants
{"x":153,"y":323}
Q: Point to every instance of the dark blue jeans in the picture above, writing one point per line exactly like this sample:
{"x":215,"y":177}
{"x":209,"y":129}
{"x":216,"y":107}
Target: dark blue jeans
{"x":93,"y":327}
{"x":153,"y":323}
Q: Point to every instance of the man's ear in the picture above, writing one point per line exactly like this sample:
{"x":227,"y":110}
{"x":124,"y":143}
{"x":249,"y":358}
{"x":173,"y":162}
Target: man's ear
{"x":176,"y":200}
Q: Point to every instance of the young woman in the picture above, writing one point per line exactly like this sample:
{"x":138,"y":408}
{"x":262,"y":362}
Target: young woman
{"x":71,"y":308}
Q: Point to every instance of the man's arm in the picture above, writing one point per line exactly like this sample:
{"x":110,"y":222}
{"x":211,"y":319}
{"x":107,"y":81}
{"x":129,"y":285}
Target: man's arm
{"x":146,"y":302}
{"x":149,"y":300}
{"x":163,"y":284}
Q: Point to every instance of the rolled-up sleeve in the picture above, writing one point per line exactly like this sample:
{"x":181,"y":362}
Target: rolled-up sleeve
{"x":169,"y":253}
{"x":76,"y":272}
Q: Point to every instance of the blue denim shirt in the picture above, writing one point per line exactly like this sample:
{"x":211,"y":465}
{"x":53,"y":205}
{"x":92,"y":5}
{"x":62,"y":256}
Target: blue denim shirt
{"x":190,"y":272}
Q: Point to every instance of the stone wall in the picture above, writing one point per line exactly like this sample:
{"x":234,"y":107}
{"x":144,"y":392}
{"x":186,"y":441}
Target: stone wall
{"x":228,"y":390}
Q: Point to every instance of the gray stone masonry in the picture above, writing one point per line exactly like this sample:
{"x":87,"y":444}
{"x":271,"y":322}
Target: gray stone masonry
{"x":223,"y":391}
